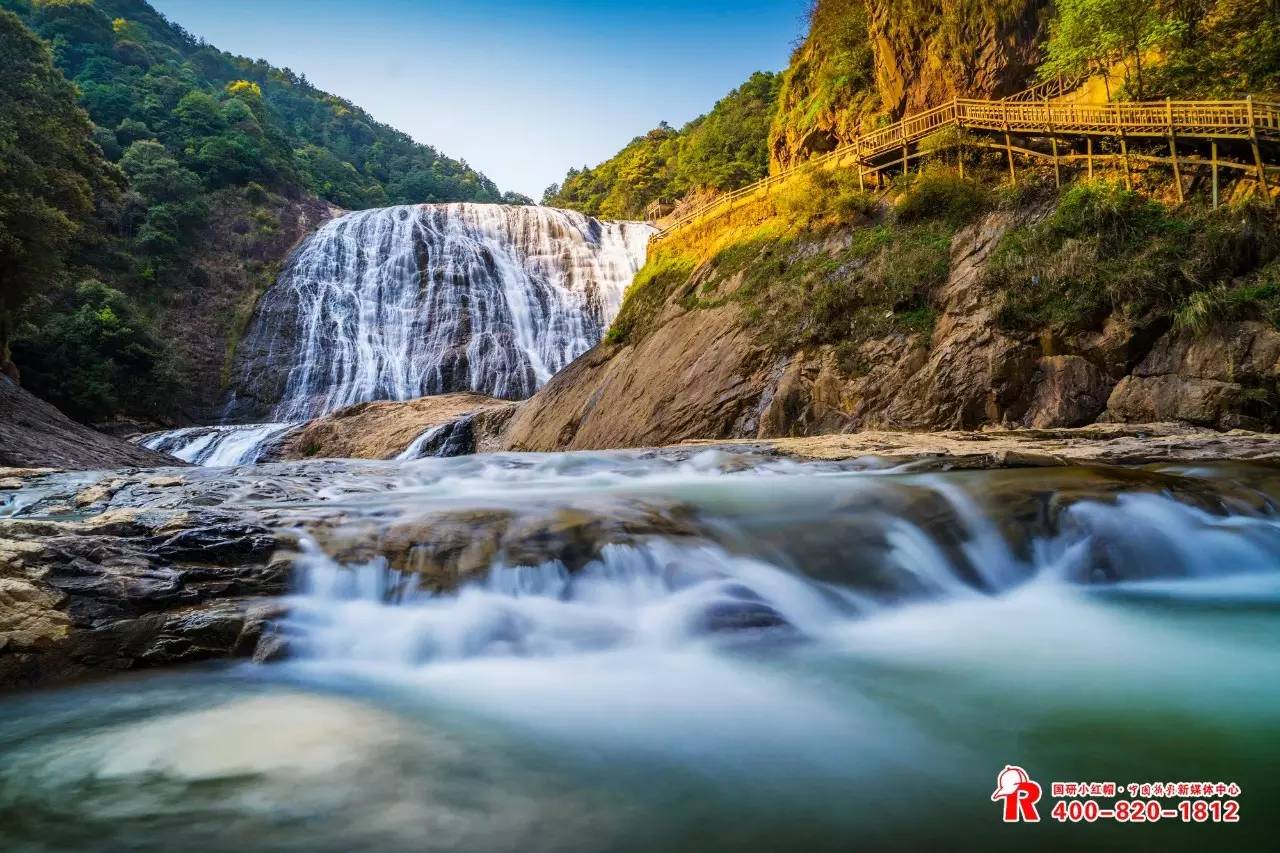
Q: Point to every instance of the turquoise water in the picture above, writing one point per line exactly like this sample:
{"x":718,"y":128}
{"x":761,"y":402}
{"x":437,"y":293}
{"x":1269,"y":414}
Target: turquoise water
{"x":596,"y":711}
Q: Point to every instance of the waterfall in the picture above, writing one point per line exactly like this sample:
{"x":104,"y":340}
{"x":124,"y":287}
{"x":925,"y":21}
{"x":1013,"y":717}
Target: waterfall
{"x":403,"y":302}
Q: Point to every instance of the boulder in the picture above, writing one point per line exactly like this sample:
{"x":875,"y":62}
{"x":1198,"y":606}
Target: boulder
{"x":1224,"y":378}
{"x":35,"y":434}
{"x":1068,"y":391}
{"x":384,"y":429}
{"x":128,"y":588}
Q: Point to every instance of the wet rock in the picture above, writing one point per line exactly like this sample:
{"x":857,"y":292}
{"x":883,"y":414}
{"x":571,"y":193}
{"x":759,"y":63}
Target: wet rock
{"x":130,"y":587}
{"x":1112,"y":444}
{"x":272,"y":648}
{"x":445,"y":548}
{"x":734,"y":616}
{"x":384,"y":429}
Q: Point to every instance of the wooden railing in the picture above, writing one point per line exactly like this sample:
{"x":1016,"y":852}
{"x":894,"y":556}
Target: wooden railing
{"x":890,"y":146}
{"x":1047,"y":90}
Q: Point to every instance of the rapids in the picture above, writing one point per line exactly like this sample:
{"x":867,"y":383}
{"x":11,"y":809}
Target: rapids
{"x":688,"y":652}
{"x":217,"y":446}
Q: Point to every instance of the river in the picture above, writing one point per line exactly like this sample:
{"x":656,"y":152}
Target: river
{"x":720,"y":651}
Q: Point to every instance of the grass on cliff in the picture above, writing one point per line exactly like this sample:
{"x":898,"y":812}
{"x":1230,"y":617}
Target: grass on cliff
{"x":819,"y":262}
{"x":1104,"y":251}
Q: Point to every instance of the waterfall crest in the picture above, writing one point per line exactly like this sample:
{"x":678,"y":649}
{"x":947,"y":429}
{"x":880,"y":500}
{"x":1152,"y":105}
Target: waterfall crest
{"x":403,"y":302}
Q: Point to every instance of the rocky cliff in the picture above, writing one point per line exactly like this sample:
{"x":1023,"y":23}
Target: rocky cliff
{"x":818,"y":333}
{"x":928,"y":52}
{"x":238,"y":256}
{"x":864,"y":60}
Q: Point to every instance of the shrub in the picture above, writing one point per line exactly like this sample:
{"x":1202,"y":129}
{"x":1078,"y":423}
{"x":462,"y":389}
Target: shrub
{"x":1104,"y":249}
{"x":820,"y":196}
{"x":941,"y":194}
{"x":1204,"y":309}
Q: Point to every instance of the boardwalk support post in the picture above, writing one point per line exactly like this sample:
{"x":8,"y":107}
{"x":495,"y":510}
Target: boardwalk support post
{"x":1053,"y":140}
{"x":902,"y":134}
{"x":1008,"y":143}
{"x":1213,"y":155}
{"x":1124,"y":151}
{"x":1088,"y":148}
{"x":1173,"y":149}
{"x":1257,"y":154}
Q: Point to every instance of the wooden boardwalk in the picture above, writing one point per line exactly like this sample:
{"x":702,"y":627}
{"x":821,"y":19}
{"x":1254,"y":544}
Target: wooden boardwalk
{"x":1055,"y":131}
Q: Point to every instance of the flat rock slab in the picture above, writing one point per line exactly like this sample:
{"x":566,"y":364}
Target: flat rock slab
{"x":1114,"y":444}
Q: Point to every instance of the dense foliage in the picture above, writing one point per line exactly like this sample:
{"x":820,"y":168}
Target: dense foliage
{"x":828,"y":90}
{"x":1106,"y":251}
{"x":54,"y":183}
{"x":183,"y":123}
{"x":233,"y":120}
{"x":877,"y":275}
{"x":1177,"y":48}
{"x":99,"y":354}
{"x":725,"y":149}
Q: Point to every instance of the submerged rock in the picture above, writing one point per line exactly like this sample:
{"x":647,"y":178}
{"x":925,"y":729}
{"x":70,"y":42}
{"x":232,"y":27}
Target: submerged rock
{"x":444,"y":548}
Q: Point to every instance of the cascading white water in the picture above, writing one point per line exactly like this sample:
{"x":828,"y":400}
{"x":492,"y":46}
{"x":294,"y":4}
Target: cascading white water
{"x":919,"y":540}
{"x":449,"y":439}
{"x":806,"y":656}
{"x":403,"y":302}
{"x":217,"y":446}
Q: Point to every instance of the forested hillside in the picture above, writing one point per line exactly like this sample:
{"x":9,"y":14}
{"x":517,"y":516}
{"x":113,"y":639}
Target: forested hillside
{"x":233,"y":120}
{"x":169,"y":206}
{"x":725,"y":149}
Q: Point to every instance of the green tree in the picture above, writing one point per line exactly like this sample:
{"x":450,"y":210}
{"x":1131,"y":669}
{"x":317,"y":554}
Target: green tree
{"x":95,"y":355}
{"x":165,"y":200}
{"x":1092,"y":36}
{"x":725,"y":149}
{"x":157,"y":176}
{"x":52,"y":173}
{"x":1226,"y":49}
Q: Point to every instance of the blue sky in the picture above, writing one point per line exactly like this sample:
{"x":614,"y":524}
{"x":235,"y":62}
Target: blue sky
{"x":520,"y":90}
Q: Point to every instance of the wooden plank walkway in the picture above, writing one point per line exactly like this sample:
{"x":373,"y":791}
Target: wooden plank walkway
{"x":1176,"y":123}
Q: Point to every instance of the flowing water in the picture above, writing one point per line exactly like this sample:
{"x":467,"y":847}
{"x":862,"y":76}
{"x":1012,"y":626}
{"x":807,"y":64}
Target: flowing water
{"x":403,"y":302}
{"x":719,"y":651}
{"x":217,"y":446}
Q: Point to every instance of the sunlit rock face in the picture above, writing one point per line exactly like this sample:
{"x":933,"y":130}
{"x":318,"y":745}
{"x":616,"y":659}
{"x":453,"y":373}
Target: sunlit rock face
{"x":402,"y":302}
